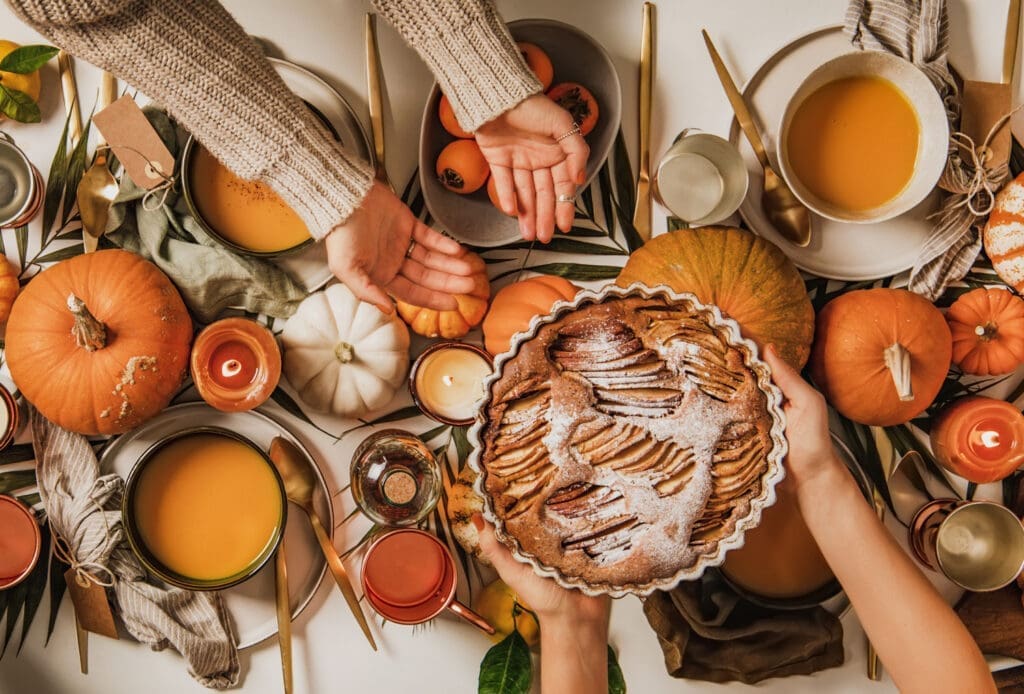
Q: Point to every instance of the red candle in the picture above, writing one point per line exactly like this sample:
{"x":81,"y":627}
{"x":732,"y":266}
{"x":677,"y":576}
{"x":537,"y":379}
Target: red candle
{"x":20,"y":541}
{"x":979,"y":438}
{"x":236,"y":364}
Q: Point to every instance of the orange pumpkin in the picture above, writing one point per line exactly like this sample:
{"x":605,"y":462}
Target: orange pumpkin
{"x":9,"y":287}
{"x":99,"y":343}
{"x":516,"y":305}
{"x":880,"y":355}
{"x":1004,"y":234}
{"x":988,"y":331}
{"x":747,"y":277}
{"x":457,"y":322}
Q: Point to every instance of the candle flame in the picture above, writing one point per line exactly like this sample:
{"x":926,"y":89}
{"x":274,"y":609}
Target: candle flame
{"x":448,"y":380}
{"x":231,"y":367}
{"x":989,"y":439}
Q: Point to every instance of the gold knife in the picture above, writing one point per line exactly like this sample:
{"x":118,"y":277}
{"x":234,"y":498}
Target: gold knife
{"x":642,"y":213}
{"x":70,"y":90}
{"x":1012,"y":38}
{"x":83,"y":646}
{"x":375,"y":97}
{"x":284,"y":616}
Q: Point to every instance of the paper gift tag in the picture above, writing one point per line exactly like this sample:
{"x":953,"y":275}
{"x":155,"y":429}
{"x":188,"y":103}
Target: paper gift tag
{"x":91,"y":605}
{"x":138,"y":147}
{"x":984,"y":103}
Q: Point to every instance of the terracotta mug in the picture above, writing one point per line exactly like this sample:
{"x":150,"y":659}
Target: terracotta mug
{"x":409,"y":577}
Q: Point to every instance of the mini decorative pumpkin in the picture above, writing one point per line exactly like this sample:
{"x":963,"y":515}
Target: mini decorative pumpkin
{"x":988,"y":331}
{"x":457,"y":322}
{"x":343,"y":355}
{"x":99,"y":343}
{"x":9,"y":287}
{"x":515,"y":306}
{"x":880,"y":355}
{"x":746,"y":276}
{"x":1004,"y":234}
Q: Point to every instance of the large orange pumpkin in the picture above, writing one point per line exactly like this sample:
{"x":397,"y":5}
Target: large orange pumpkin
{"x":880,"y":355}
{"x":747,"y":277}
{"x":99,"y":343}
{"x":457,"y":322}
{"x":988,"y":331}
{"x":515,"y":306}
{"x":1004,"y":234}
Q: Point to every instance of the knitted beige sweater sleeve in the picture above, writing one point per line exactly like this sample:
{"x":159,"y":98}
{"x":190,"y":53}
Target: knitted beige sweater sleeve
{"x":192,"y":57}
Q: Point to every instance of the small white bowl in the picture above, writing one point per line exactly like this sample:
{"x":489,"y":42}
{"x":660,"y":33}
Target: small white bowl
{"x":933,"y":132}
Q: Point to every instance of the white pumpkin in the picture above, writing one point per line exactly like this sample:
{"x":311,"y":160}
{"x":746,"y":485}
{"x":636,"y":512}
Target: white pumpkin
{"x":1004,"y":234}
{"x":343,"y":355}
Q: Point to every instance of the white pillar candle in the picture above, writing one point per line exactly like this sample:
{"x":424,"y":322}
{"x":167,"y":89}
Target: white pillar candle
{"x":450,"y":381}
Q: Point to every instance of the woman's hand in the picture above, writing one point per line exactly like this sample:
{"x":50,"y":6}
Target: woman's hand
{"x":382,"y":248}
{"x":532,"y":166}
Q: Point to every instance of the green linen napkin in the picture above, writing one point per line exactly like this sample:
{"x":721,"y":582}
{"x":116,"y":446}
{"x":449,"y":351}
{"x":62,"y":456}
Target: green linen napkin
{"x":211,"y":278}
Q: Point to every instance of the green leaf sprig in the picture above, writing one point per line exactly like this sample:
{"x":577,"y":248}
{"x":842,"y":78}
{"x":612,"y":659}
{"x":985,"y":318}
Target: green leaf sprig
{"x":24,"y":60}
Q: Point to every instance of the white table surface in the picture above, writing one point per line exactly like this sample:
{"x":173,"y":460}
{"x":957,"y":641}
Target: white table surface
{"x":330,"y":654}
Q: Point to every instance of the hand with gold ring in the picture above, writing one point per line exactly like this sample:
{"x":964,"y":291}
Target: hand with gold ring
{"x":383,"y":249}
{"x":537,"y":158}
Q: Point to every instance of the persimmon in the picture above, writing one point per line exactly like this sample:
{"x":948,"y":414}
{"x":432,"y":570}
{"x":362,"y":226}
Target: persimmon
{"x":579,"y":102}
{"x":492,"y":193}
{"x":538,"y":61}
{"x":448,"y":120}
{"x":461,"y":167}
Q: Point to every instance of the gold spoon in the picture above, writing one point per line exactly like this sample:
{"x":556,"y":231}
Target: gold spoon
{"x":299,"y":483}
{"x":787,"y":214}
{"x":98,"y":187}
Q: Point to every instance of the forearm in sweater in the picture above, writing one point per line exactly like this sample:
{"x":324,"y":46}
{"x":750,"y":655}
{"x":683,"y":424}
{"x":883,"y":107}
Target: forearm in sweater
{"x":192,"y":57}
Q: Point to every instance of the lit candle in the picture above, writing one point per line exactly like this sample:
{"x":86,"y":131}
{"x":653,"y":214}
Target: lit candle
{"x":447,"y":381}
{"x":236,"y":364}
{"x":979,"y":438}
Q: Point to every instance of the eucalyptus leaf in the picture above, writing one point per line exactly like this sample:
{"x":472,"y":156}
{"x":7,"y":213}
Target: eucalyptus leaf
{"x":18,"y":106}
{"x":27,"y":59}
{"x":506,"y":668}
{"x":616,"y":680}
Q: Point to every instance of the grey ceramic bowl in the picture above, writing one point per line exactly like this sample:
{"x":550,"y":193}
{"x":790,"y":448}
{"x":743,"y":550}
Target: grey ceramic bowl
{"x":576,"y":57}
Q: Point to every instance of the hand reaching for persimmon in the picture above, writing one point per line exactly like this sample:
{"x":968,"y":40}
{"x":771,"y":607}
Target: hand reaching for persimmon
{"x":532,"y":167}
{"x":371,"y":253}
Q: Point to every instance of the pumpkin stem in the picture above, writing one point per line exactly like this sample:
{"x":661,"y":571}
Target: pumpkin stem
{"x":89,"y":333}
{"x":344,"y":352}
{"x":987,"y":332}
{"x":897,"y":359}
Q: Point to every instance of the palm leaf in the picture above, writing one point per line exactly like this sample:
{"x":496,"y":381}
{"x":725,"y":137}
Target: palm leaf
{"x":57,"y":588}
{"x":36,"y":585}
{"x":16,"y":479}
{"x":625,"y":184}
{"x":76,"y":167}
{"x":571,"y":271}
{"x":291,"y":407}
{"x":56,"y":181}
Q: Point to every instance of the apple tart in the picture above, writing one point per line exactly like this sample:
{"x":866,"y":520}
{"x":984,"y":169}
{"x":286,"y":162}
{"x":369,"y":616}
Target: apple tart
{"x":628,"y":440}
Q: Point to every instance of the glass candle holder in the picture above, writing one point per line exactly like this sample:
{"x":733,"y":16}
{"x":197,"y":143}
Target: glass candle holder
{"x":236,"y":364}
{"x":979,"y":438}
{"x":395,"y":478}
{"x":447,"y":381}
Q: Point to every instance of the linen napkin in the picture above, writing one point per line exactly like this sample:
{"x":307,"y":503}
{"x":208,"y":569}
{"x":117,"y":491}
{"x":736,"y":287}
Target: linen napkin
{"x":84,"y":509}
{"x":919,"y":32}
{"x":707,"y":632}
{"x":210,"y":277}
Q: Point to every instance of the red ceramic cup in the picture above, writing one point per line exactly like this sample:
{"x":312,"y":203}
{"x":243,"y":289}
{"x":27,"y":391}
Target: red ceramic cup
{"x":20,"y":542}
{"x":409,"y":577}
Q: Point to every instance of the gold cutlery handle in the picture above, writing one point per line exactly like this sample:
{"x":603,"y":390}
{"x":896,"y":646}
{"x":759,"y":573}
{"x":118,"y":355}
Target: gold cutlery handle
{"x":739,"y":106}
{"x":1012,"y":39}
{"x":83,"y":646}
{"x":70,"y":90}
{"x":341,"y":576}
{"x":108,"y":92}
{"x":284,"y":615}
{"x":375,"y":95}
{"x":642,"y":213}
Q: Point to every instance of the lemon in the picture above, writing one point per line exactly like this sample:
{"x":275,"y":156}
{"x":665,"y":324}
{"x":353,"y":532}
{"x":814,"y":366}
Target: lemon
{"x":29,"y":83}
{"x":496,"y":603}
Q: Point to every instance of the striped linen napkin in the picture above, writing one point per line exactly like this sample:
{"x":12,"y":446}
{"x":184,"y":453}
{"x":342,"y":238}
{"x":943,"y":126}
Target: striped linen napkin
{"x":84,"y":509}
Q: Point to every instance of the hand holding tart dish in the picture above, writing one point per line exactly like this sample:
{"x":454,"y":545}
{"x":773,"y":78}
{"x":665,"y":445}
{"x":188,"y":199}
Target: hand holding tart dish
{"x":628,"y":440}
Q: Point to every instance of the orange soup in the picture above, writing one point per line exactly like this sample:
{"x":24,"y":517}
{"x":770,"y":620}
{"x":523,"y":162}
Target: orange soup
{"x":853,"y":142}
{"x":779,"y":558}
{"x":207,"y":506}
{"x":246,"y":213}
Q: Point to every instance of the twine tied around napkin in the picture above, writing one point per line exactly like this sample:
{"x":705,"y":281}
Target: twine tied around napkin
{"x":84,"y":509}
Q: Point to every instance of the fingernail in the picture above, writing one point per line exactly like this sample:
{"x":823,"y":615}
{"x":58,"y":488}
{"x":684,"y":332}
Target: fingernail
{"x":478,"y":521}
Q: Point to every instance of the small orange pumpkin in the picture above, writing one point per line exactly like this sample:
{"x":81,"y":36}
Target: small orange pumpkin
{"x":880,"y":355}
{"x":1004,"y":234}
{"x":457,"y":322}
{"x":516,"y":305}
{"x":9,"y":287}
{"x":99,"y":343}
{"x":988,"y":331}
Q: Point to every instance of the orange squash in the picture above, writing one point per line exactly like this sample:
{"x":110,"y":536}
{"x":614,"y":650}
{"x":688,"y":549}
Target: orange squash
{"x":988,"y":331}
{"x":747,"y":277}
{"x":9,"y":287}
{"x":880,"y":355}
{"x":1004,"y":234}
{"x":457,"y":322}
{"x":99,"y":343}
{"x":516,"y":305}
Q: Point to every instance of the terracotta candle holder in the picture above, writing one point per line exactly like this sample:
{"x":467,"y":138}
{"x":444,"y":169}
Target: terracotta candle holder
{"x":447,"y":381}
{"x":979,"y":438}
{"x":236,"y":364}
{"x":20,"y":542}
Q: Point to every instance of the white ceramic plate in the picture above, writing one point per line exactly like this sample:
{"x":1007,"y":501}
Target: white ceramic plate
{"x":840,"y":250}
{"x":309,"y":266}
{"x":249,"y":604}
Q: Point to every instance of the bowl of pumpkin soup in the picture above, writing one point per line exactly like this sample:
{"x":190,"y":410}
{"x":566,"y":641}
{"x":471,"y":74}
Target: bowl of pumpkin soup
{"x":204,"y":509}
{"x":864,"y":138}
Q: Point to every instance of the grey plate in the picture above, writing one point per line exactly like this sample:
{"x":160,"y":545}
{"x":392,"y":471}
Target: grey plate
{"x":250,"y":604}
{"x":577,"y":58}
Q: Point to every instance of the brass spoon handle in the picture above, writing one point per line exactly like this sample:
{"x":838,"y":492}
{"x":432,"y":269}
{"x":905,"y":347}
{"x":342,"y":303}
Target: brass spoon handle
{"x":739,"y":107}
{"x":108,"y":92}
{"x":375,"y":95}
{"x":340,"y":575}
{"x":642,"y":213}
{"x":284,"y":616}
{"x":70,"y":90}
